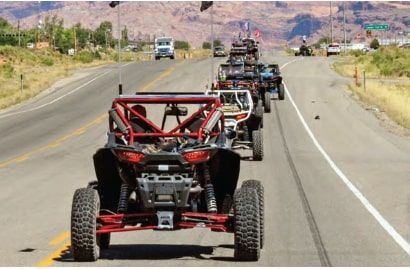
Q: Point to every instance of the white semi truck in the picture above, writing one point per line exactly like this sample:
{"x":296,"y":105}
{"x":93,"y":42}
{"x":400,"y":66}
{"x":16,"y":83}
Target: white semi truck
{"x":164,"y":47}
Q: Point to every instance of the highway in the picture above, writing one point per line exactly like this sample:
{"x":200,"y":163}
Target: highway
{"x":337,"y":189}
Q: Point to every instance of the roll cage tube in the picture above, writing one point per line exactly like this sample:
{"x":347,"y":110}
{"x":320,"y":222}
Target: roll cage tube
{"x":208,"y":104}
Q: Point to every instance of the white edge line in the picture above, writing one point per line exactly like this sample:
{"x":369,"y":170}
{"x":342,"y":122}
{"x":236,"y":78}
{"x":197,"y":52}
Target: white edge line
{"x":55,"y":100}
{"x":373,"y":211}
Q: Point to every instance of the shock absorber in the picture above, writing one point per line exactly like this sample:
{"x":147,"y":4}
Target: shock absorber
{"x":124,"y":196}
{"x":209,"y":191}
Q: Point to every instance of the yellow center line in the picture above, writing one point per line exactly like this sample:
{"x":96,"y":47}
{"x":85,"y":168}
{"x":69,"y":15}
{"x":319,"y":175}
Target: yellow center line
{"x":59,"y":238}
{"x":56,"y":254}
{"x":79,"y":131}
{"x":48,"y":261}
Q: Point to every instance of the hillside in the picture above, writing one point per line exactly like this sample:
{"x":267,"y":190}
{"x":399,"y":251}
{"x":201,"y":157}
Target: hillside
{"x":279,"y":22}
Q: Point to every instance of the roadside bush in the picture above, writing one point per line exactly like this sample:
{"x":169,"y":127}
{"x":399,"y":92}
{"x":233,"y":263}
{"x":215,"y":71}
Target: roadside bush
{"x":392,"y":62}
{"x":375,"y":44}
{"x":84,"y":57}
{"x":45,"y":60}
{"x":7,"y":70}
{"x":184,"y":45}
{"x":357,"y":53}
{"x":206,"y":45}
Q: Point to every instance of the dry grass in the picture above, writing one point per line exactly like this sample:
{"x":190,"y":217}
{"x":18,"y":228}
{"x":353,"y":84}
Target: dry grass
{"x":42,"y":68}
{"x":393,"y":99}
{"x":346,"y":67}
{"x":193,"y":54}
{"x":390,"y":65}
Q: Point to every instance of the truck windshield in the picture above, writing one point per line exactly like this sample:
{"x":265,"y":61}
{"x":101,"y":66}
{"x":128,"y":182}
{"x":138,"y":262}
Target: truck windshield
{"x":164,"y":43}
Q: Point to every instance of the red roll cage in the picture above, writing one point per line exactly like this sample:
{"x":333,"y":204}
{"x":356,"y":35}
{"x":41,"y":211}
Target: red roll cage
{"x":123,"y":108}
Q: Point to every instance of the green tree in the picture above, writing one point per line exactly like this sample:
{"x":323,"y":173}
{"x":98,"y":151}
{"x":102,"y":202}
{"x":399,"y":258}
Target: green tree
{"x":124,"y":37}
{"x":7,"y":33}
{"x":4,"y":24}
{"x":52,"y":28}
{"x":83,"y":35}
{"x":374,"y":44}
{"x":65,"y":40}
{"x":206,"y":45}
{"x":181,"y":45}
{"x":217,"y":43}
{"x":103,"y":34}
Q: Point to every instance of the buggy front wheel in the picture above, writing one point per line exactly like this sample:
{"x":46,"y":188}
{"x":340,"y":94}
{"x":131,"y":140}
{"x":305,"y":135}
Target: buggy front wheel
{"x":257,"y":185}
{"x":85,"y":208}
{"x":281,"y":92}
{"x":257,"y":149}
{"x":246,"y":225}
{"x":259,"y":112}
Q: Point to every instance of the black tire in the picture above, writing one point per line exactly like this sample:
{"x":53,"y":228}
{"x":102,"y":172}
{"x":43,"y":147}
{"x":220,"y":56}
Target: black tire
{"x":246,"y":227}
{"x":172,"y":57}
{"x":227,"y":205}
{"x":86,"y":206}
{"x":259,"y":112}
{"x":156,"y":58}
{"x":281,"y":92}
{"x":257,"y":149}
{"x":267,"y":102}
{"x":257,"y":185}
{"x":246,"y":136}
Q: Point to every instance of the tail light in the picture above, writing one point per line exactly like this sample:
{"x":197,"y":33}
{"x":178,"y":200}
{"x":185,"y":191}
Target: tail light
{"x":129,"y":156}
{"x":241,"y":116}
{"x":194,"y":157}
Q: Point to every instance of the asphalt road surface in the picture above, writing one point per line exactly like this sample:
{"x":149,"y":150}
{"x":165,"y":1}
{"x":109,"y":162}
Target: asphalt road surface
{"x":337,"y":188}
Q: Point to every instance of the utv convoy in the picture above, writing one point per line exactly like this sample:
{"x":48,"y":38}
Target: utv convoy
{"x":181,"y":170}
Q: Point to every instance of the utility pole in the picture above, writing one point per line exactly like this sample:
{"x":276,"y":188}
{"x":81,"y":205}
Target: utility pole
{"x":18,"y":29}
{"x":119,"y":51}
{"x":114,"y":4}
{"x":331,"y":23}
{"x":212,"y":44}
{"x":75,"y":42}
{"x":344,"y":25}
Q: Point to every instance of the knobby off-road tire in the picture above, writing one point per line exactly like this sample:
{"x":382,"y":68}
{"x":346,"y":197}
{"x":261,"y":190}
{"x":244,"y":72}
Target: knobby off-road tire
{"x":257,"y":149}
{"x":259,"y":112}
{"x":257,"y":185}
{"x":267,"y":102}
{"x":281,"y":92}
{"x":247,"y":226}
{"x":103,"y":240}
{"x":85,"y":208}
{"x":246,"y":135}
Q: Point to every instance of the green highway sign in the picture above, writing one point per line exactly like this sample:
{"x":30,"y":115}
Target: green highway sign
{"x":381,"y":27}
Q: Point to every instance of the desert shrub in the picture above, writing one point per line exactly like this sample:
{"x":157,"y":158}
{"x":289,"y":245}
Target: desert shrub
{"x":84,"y":57}
{"x":46,"y":60}
{"x":7,"y":70}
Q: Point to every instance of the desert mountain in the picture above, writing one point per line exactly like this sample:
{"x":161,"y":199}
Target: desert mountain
{"x":278,"y":22}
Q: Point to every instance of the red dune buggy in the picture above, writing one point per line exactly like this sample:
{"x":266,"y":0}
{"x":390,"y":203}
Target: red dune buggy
{"x":166,"y":174}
